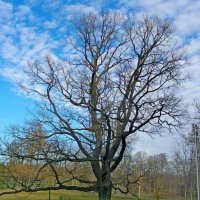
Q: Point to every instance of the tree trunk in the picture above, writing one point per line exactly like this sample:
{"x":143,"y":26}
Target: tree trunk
{"x":105,"y":190}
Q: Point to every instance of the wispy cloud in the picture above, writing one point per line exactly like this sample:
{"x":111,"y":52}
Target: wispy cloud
{"x":5,"y":10}
{"x":50,"y":24}
{"x":21,"y":40}
{"x":13,"y":74}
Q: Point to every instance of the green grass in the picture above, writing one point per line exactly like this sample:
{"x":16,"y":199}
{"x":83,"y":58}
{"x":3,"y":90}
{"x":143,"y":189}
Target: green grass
{"x":58,"y":195}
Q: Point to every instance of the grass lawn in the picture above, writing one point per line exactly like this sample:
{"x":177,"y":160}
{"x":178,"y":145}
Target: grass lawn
{"x":67,"y":195}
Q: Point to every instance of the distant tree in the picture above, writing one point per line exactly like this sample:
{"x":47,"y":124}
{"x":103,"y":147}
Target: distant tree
{"x":141,"y":170}
{"x":119,"y":79}
{"x":184,"y":165}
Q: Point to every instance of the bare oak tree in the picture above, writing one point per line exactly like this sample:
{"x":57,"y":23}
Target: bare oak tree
{"x":119,"y":78}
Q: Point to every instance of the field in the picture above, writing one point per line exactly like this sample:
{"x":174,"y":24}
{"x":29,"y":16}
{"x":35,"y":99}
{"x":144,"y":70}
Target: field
{"x":57,"y":195}
{"x":71,"y":195}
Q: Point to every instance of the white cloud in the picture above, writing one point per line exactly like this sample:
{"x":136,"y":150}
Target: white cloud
{"x":185,"y":13}
{"x":13,"y":74}
{"x":193,"y":46}
{"x":7,"y":30}
{"x":159,"y":7}
{"x":27,"y":45}
{"x":23,"y":10}
{"x":8,"y":49}
{"x":21,"y":41}
{"x":50,"y":24}
{"x":78,"y":8}
{"x":187,"y":22}
{"x":5,"y":10}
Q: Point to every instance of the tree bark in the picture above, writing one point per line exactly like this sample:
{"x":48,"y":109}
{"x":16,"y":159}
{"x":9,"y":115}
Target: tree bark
{"x":105,"y":190}
{"x":105,"y":183}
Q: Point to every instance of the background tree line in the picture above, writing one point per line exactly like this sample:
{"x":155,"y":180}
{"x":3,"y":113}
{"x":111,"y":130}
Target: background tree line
{"x":145,"y":176}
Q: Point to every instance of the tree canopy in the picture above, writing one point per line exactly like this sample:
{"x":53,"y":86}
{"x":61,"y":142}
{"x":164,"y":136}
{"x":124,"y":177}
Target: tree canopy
{"x":119,"y":78}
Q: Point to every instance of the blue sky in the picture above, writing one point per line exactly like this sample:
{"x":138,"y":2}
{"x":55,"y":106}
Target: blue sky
{"x":33,"y":28}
